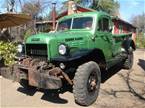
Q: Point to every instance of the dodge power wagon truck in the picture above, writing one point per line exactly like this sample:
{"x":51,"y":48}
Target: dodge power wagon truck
{"x":76,"y":53}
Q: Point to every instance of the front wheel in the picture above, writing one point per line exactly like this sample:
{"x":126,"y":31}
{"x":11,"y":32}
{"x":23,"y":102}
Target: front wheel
{"x":87,"y":83}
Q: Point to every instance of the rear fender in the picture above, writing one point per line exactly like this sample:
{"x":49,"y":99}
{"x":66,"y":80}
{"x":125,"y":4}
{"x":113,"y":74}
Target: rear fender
{"x":128,"y":43}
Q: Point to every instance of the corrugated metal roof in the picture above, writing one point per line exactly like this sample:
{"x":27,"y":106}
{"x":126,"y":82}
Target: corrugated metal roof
{"x":13,"y":19}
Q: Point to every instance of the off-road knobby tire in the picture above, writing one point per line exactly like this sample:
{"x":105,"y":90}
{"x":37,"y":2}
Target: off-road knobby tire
{"x":81,"y":93}
{"x":129,"y":60}
{"x":25,"y":84}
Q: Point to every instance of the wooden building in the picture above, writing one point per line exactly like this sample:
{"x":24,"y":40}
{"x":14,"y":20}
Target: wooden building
{"x":121,"y":26}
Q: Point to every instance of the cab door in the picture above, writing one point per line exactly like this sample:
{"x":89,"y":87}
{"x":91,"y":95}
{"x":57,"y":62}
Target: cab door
{"x":105,"y":36}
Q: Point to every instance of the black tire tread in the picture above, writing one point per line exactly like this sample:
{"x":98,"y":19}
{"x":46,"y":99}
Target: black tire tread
{"x":79,"y":85}
{"x":127,"y":64}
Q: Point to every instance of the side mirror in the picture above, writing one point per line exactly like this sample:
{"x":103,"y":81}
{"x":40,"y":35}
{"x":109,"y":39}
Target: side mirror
{"x":110,"y":29}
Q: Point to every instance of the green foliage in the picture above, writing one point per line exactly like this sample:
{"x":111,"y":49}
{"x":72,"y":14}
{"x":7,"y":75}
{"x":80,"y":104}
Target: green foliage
{"x":27,"y":34}
{"x":109,"y":6}
{"x":139,"y":22}
{"x":8,"y":52}
{"x":140,"y":41}
{"x":32,"y":7}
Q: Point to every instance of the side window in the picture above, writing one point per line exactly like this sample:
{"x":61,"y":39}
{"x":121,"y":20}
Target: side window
{"x":100,"y":27}
{"x":103,"y":24}
{"x":120,"y":28}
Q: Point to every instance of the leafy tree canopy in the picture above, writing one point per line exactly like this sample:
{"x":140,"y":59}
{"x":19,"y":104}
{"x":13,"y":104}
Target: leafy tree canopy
{"x":109,"y":6}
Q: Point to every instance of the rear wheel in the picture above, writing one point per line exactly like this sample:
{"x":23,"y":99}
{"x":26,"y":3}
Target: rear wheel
{"x":129,"y":60}
{"x":87,"y":83}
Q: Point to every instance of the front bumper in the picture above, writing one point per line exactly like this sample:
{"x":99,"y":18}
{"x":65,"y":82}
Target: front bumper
{"x":37,"y":78}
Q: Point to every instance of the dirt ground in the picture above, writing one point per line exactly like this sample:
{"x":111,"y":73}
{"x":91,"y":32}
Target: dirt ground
{"x":125,"y":89}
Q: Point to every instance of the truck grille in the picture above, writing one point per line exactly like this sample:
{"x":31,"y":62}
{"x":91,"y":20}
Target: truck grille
{"x":36,"y":50}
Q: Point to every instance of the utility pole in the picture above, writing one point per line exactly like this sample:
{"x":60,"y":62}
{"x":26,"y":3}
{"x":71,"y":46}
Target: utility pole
{"x":54,"y":15}
{"x":10,"y":8}
{"x":10,"y":5}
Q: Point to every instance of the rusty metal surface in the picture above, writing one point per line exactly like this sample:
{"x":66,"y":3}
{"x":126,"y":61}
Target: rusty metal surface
{"x":67,"y":78}
{"x":40,"y":74}
{"x":26,"y":61}
{"x":33,"y":77}
{"x":50,"y":82}
{"x":33,"y":73}
{"x":41,"y":78}
{"x":57,"y":71}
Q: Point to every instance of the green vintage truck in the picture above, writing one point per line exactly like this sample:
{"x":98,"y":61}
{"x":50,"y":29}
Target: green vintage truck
{"x":75,"y":54}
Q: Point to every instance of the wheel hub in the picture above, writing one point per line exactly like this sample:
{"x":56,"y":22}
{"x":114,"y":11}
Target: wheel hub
{"x":92,"y":82}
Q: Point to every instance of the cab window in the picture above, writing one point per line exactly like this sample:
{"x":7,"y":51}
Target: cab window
{"x":64,"y":25}
{"x":103,"y":24}
{"x":82,"y":23}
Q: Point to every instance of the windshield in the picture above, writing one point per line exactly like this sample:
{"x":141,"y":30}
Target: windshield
{"x":78,"y":23}
{"x":82,"y":23}
{"x":64,"y":25}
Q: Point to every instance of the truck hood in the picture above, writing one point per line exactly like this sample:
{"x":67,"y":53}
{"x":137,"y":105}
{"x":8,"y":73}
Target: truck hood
{"x":58,"y":36}
{"x":74,"y":40}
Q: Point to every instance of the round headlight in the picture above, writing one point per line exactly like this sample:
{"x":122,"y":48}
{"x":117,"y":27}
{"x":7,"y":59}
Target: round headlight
{"x":62,"y":49}
{"x":20,"y":48}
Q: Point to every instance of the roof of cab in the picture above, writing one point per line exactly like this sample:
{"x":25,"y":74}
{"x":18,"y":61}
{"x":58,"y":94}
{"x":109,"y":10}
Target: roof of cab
{"x":95,"y":13}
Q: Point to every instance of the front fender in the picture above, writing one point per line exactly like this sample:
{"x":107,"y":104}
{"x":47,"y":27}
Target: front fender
{"x":71,"y":57}
{"x":80,"y":57}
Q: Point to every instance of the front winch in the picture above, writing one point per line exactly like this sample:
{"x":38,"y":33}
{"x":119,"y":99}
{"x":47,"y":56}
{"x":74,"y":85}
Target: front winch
{"x":40,"y":74}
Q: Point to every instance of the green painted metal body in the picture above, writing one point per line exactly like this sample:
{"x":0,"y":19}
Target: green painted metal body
{"x":78,"y":39}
